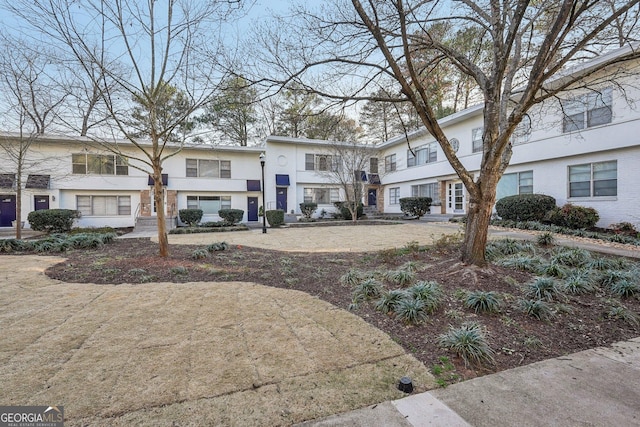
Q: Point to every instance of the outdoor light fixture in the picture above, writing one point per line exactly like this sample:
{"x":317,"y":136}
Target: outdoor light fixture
{"x":405,"y":385}
{"x":264,"y":206}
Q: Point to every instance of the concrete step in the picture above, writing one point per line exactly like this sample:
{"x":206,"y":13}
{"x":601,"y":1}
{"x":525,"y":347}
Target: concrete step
{"x":147,"y":223}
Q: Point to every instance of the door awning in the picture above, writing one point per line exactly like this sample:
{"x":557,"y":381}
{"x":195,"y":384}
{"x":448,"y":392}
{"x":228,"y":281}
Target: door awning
{"x":282,"y":180}
{"x":165,"y":180}
{"x":374,"y":178}
{"x":38,"y":181}
{"x":7,"y":180}
{"x":253,"y":185}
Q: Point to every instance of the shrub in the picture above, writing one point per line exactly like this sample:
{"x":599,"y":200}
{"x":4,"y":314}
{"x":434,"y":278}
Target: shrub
{"x":52,"y":220}
{"x":190,"y":217}
{"x":415,"y":206}
{"x":232,"y":216}
{"x":308,"y":209}
{"x":483,"y":301}
{"x":275,"y":218}
{"x":572,"y":216}
{"x":525,"y":207}
{"x":345,"y":213}
{"x":468,"y":341}
{"x":625,"y":228}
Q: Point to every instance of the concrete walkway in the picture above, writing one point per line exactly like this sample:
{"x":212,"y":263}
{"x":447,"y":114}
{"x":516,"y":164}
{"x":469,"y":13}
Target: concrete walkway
{"x":597,"y":387}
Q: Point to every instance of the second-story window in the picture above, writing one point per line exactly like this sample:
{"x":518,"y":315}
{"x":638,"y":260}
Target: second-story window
{"x":476,"y":140}
{"x":390,"y":163}
{"x":591,"y":109}
{"x":201,"y":168}
{"x":99,"y":164}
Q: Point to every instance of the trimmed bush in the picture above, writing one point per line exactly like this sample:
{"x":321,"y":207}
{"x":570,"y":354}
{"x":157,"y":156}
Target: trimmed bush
{"x":525,"y":207}
{"x":415,"y":206}
{"x":232,"y":216}
{"x":344,"y":212}
{"x":53,"y":220}
{"x":572,"y":216}
{"x":308,"y":209}
{"x":190,"y":216}
{"x":275,"y":218}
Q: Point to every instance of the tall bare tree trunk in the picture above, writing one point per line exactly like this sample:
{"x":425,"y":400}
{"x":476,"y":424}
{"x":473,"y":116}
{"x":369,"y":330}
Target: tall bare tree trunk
{"x":476,"y":232}
{"x":158,"y":195}
{"x":19,"y":203}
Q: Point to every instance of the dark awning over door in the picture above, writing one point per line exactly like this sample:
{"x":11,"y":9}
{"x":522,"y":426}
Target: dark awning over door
{"x":282,"y":180}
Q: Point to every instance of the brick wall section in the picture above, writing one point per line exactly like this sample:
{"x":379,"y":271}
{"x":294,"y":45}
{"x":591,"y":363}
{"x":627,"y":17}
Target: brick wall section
{"x":145,"y":203}
{"x":172,"y":202}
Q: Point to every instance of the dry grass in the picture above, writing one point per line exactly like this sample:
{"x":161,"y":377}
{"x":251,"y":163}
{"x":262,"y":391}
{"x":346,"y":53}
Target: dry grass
{"x":193,"y":353}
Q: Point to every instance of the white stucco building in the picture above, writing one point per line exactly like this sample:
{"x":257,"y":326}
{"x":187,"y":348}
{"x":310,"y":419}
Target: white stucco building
{"x":583,"y":149}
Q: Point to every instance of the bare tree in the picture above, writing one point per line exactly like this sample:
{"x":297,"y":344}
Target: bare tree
{"x":139,"y":49}
{"x":350,"y":162}
{"x":532,"y":43}
{"x":32,"y":99}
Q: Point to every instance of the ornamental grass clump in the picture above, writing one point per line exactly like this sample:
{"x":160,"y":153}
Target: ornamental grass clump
{"x":469,"y":342}
{"x":389,"y":301}
{"x":579,"y":283}
{"x":351,"y":278}
{"x":571,"y":257}
{"x":218,"y":246}
{"x":619,"y":312}
{"x":199,"y":254}
{"x":539,"y":309}
{"x":625,"y":288}
{"x":368,"y":289}
{"x":411,"y":311}
{"x":483,"y":301}
{"x":400,"y":277}
{"x":520,"y":262}
{"x":543,"y":288}
{"x":429,"y":293}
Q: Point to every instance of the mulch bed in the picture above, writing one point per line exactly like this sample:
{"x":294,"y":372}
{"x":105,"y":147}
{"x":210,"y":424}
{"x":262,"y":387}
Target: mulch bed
{"x":516,"y":338}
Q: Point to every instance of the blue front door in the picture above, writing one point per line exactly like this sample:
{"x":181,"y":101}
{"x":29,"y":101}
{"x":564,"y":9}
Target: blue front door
{"x":281,"y":198}
{"x":372,"y":197}
{"x":252,"y":208}
{"x":7,"y":209}
{"x":41,"y":202}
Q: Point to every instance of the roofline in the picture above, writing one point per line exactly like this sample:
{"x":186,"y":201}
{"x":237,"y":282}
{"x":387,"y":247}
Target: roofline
{"x":66,"y":139}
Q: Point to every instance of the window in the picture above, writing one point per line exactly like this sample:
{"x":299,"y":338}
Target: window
{"x":394,"y":196}
{"x":373,"y":165}
{"x":99,"y":164}
{"x":320,"y":162}
{"x":7,"y":180}
{"x":427,"y":190}
{"x":515,"y":183}
{"x":209,"y":204}
{"x":103,"y":205}
{"x":423,"y":154}
{"x":321,"y":196}
{"x":522,"y":132}
{"x":390,"y":163}
{"x":208,"y":168}
{"x":592,"y":109}
{"x":594,"y":179}
{"x":476,"y":140}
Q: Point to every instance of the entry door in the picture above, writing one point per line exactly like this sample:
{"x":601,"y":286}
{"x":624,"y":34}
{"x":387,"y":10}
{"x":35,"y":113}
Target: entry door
{"x":281,"y":198}
{"x":455,"y":197}
{"x":252,"y":208}
{"x":153,"y":201}
{"x":41,"y":202}
{"x":7,"y":209}
{"x":372,"y":197}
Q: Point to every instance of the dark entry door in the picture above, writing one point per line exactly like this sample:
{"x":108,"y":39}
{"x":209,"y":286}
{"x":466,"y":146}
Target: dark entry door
{"x":7,"y":209}
{"x":252,"y":208}
{"x":372,"y":197}
{"x":41,"y":202}
{"x":281,"y":198}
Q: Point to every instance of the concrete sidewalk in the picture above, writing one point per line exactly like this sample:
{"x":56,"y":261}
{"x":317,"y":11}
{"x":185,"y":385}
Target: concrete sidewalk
{"x":597,"y":387}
